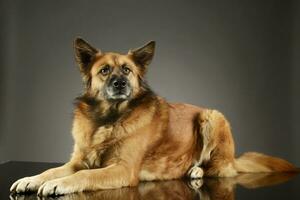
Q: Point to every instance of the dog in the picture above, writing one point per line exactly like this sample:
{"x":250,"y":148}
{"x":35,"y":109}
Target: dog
{"x":125,"y":133}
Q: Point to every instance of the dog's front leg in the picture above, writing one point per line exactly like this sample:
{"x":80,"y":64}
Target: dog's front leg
{"x":33,"y":183}
{"x":113,"y":176}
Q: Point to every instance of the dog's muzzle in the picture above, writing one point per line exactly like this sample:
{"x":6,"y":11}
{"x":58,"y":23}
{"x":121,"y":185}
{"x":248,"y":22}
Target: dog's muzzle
{"x":118,"y":88}
{"x":119,"y":84}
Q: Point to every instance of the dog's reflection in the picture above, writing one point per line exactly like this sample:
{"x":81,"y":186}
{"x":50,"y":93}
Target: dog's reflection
{"x":204,"y":189}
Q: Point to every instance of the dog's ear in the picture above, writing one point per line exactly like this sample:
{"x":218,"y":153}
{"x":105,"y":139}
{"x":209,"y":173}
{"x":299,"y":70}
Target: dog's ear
{"x":84,"y":54}
{"x":143,"y":55}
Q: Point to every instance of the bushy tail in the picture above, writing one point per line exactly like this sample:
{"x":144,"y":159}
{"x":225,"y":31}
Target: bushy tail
{"x":252,"y":162}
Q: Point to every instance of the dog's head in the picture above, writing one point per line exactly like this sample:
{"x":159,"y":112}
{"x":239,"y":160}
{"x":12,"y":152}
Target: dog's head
{"x":113,"y":76}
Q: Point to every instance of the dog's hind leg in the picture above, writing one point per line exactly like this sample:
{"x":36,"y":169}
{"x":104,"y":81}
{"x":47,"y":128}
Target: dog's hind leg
{"x":217,"y":153}
{"x":205,"y":137}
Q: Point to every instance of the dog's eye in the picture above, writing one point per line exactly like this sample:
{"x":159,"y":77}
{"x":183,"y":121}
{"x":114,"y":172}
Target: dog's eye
{"x":125,"y":69}
{"x":105,"y":70}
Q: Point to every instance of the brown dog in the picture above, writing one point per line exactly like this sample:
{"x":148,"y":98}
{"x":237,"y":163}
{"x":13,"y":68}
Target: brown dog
{"x":125,"y":133}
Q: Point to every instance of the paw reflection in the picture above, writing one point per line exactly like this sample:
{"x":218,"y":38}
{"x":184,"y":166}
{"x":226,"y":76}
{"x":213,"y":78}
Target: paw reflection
{"x":207,"y":188}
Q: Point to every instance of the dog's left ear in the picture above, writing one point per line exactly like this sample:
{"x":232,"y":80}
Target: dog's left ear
{"x":143,"y":55}
{"x":84,"y":54}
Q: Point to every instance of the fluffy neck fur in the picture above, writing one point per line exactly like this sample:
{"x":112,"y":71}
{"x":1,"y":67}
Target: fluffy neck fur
{"x":105,"y":112}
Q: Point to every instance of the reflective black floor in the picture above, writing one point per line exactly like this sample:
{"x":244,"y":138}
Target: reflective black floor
{"x":245,"y":186}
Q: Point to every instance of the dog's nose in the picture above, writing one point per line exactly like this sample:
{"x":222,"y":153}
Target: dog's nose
{"x":119,"y":83}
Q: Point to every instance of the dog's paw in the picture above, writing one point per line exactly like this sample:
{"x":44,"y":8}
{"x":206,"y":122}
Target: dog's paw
{"x":58,"y":187}
{"x":27,"y":184}
{"x":195,"y":172}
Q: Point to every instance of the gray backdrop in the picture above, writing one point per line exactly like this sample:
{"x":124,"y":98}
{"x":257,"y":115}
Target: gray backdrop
{"x":240,"y":57}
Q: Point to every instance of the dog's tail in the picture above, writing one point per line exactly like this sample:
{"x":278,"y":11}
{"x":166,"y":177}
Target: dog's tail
{"x":252,"y":162}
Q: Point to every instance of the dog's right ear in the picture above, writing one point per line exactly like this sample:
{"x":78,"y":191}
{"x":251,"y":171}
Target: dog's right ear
{"x":84,"y":55}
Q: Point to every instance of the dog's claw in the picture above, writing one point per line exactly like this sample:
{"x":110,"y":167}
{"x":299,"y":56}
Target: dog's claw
{"x":54,"y":190}
{"x":40,"y":191}
{"x":26,"y":187}
{"x":14,"y":186}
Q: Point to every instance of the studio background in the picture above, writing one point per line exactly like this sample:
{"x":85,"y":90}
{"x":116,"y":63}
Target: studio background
{"x":240,"y":57}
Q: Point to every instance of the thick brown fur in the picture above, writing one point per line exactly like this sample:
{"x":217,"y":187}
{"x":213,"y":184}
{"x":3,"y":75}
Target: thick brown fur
{"x":142,"y":137}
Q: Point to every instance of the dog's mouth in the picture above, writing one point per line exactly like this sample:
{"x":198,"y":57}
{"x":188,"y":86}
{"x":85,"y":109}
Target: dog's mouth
{"x":123,"y":94}
{"x":120,"y":95}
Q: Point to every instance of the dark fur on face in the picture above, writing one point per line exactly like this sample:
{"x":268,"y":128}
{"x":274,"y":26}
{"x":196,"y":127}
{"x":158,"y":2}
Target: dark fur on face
{"x":112,"y":80}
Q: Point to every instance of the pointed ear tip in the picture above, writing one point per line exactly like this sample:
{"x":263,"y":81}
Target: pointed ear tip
{"x":76,"y":41}
{"x":79,"y":40}
{"x":152,"y":42}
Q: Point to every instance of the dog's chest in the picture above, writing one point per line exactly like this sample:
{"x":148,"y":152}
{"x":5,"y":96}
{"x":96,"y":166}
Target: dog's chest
{"x":101,"y":136}
{"x":99,"y":146}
